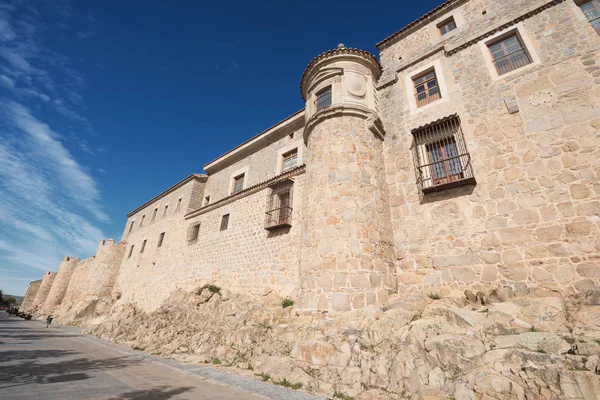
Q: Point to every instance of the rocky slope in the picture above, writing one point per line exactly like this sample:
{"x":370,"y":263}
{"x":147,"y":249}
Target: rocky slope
{"x":496,"y":346}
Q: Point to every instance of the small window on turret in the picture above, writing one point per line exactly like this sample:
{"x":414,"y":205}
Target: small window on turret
{"x":323,"y":98}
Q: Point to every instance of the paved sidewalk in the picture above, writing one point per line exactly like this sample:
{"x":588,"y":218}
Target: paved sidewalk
{"x":59,"y":363}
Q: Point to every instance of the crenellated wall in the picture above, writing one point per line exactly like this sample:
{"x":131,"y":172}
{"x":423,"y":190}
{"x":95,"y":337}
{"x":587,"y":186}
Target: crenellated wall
{"x":32,"y":290}
{"x":60,"y":284}
{"x":92,"y":282}
{"x":43,"y":290}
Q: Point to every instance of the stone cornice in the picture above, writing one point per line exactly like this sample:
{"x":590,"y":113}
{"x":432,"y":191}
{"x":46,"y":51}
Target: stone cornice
{"x":534,"y":10}
{"x":248,"y":191}
{"x":449,"y":50}
{"x":198,"y":177}
{"x":238,"y":152}
{"x":341,"y":53}
{"x":373,"y":121}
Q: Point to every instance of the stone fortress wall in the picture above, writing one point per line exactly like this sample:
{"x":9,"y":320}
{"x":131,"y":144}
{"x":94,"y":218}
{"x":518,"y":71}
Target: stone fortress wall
{"x":43,"y":291}
{"x":61,"y":282}
{"x":32,"y":290}
{"x":362,"y":227}
{"x":532,"y":135}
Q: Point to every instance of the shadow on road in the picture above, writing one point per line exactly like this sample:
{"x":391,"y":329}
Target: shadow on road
{"x":18,"y":333}
{"x":19,"y":355}
{"x":29,"y":372}
{"x":159,"y":393}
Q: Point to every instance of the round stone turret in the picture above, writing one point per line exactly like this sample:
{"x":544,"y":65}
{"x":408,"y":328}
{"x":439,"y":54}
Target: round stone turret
{"x":60,"y":284}
{"x":347,"y":251}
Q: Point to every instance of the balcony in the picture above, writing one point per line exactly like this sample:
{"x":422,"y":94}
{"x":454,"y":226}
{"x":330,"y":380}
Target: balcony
{"x":278,"y":218}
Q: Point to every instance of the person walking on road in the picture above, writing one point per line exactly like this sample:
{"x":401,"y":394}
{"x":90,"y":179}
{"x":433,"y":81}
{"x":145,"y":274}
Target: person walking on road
{"x":48,"y":320}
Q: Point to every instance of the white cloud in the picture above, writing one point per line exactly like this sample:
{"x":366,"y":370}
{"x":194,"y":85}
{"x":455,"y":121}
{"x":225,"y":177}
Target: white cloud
{"x":6,"y":82}
{"x":16,"y":59}
{"x":50,"y":203}
{"x":75,"y":180}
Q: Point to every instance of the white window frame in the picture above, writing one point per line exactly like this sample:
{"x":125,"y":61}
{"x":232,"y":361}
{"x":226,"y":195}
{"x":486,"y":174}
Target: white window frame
{"x":528,"y":46}
{"x":296,"y":145}
{"x":409,"y":85}
{"x":243,"y":171}
{"x":435,"y":32}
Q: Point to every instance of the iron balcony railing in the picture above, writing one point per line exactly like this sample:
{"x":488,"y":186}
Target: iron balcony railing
{"x":512,"y":61}
{"x":279,"y":217}
{"x":448,"y":172}
{"x":323,"y":100}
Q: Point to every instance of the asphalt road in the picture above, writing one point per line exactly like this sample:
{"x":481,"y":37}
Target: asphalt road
{"x":58,"y":363}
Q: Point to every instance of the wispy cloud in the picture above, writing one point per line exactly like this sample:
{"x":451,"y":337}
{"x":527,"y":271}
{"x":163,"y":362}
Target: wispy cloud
{"x":50,"y":202}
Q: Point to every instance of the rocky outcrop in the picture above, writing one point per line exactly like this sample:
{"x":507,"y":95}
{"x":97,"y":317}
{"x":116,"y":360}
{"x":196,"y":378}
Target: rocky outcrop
{"x":535,"y":346}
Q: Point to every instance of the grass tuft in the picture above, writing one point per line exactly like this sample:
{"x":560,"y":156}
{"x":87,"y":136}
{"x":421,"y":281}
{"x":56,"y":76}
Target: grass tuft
{"x":287,"y":303}
{"x":264,"y":377}
{"x":434,"y":296}
{"x":342,"y":396}
{"x":287,"y":384}
{"x":216,"y":361}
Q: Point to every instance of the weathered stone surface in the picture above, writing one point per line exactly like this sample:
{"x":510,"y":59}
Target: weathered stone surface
{"x":448,"y":261}
{"x":589,"y":269}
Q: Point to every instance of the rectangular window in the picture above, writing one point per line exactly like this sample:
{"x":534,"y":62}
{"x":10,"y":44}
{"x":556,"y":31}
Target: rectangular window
{"x":238,"y":184}
{"x":194,"y":233}
{"x":426,"y":88}
{"x":224,"y":222}
{"x":143,"y":246}
{"x":154,"y":213}
{"x":440,"y":155}
{"x":591,"y":9}
{"x":166,"y":209}
{"x":131,"y":226}
{"x":323,"y":98}
{"x":508,"y":54}
{"x":142,"y":222}
{"x":207,"y":200}
{"x":130,"y":251}
{"x":290,"y":160}
{"x":279,"y":212}
{"x":160,"y":239}
{"x":178,"y":204}
{"x":446,"y":26}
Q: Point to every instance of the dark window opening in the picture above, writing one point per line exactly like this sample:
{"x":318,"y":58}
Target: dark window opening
{"x":238,"y":183}
{"x":279,"y":209}
{"x":446,"y":26}
{"x":224,"y":222}
{"x":160,"y":239}
{"x":194,"y":233}
{"x":323,"y":98}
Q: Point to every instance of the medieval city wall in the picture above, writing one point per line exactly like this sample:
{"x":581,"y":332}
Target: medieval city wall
{"x":244,"y":257}
{"x":93,"y":279}
{"x":77,"y":283}
{"x":43,"y":291}
{"x":61,"y":282}
{"x":30,"y":294}
{"x":532,"y":217}
{"x":130,"y":284}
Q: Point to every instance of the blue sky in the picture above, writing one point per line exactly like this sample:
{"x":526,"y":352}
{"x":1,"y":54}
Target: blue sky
{"x":105,"y":104}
